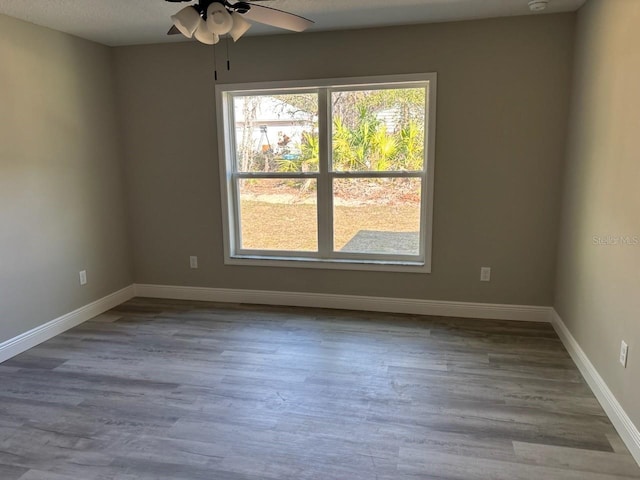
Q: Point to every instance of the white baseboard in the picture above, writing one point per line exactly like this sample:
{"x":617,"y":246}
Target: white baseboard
{"x":349,"y":302}
{"x":30,"y":339}
{"x":621,"y":421}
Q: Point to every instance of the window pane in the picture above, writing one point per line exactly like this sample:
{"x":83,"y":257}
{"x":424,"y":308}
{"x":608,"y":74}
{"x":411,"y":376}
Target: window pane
{"x":380,"y":216}
{"x":378,"y":130}
{"x":278,"y":214}
{"x":276,"y":133}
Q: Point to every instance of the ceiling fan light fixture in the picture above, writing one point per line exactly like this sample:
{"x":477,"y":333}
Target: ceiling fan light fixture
{"x":219,"y":20}
{"x":240,"y":26}
{"x":187,"y":21}
{"x":204,"y":35}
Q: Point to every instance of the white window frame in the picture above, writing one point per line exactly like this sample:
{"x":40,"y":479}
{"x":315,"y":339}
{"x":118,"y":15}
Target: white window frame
{"x":325,"y":257}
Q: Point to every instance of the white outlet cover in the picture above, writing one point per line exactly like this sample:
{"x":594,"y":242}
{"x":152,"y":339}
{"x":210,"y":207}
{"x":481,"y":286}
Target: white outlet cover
{"x":83,"y":277}
{"x":485,"y":274}
{"x":193,"y":262}
{"x":624,"y":350}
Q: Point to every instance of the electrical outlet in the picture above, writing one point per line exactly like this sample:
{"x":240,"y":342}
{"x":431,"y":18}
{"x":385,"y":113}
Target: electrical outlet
{"x":193,"y":262}
{"x":83,"y":277}
{"x":624,"y":349}
{"x":485,"y":274}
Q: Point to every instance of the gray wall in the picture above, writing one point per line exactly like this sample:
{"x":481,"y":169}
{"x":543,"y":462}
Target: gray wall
{"x":598,"y":280}
{"x":502,"y":116}
{"x":61,"y":189}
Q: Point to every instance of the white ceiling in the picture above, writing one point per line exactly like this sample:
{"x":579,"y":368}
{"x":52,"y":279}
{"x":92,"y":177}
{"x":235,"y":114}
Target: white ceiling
{"x":130,"y":22}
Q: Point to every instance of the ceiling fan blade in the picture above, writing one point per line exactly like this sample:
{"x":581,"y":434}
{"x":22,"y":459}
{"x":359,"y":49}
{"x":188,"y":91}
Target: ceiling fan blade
{"x":277,"y":18}
{"x":173,"y":31}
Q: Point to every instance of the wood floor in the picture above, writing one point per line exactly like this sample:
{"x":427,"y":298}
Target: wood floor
{"x":189,"y":391}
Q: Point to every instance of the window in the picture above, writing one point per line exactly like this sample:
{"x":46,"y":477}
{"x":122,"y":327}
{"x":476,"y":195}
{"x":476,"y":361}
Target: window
{"x":329,"y":173}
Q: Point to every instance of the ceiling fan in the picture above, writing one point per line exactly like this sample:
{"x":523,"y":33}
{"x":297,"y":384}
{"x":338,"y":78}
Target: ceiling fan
{"x":207,"y":20}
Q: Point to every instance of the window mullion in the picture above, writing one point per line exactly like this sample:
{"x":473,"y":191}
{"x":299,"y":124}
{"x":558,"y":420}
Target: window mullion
{"x":325,"y":222}
{"x":237,"y":211}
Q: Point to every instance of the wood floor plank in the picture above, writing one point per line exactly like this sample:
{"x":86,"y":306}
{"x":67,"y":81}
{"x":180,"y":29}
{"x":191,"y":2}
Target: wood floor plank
{"x":180,"y":390}
{"x":420,"y":461}
{"x":10,"y":472}
{"x":40,"y":475}
{"x":577,"y":459}
{"x":617,"y":444}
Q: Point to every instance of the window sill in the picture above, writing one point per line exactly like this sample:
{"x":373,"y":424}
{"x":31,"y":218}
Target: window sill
{"x":329,"y":264}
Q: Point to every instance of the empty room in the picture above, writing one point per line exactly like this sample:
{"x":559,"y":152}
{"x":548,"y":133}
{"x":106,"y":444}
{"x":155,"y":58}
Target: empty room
{"x":346,"y":240}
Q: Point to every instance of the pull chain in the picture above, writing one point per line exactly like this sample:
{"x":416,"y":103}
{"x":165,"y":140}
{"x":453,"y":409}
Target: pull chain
{"x":226,"y":38}
{"x":215,"y":64}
